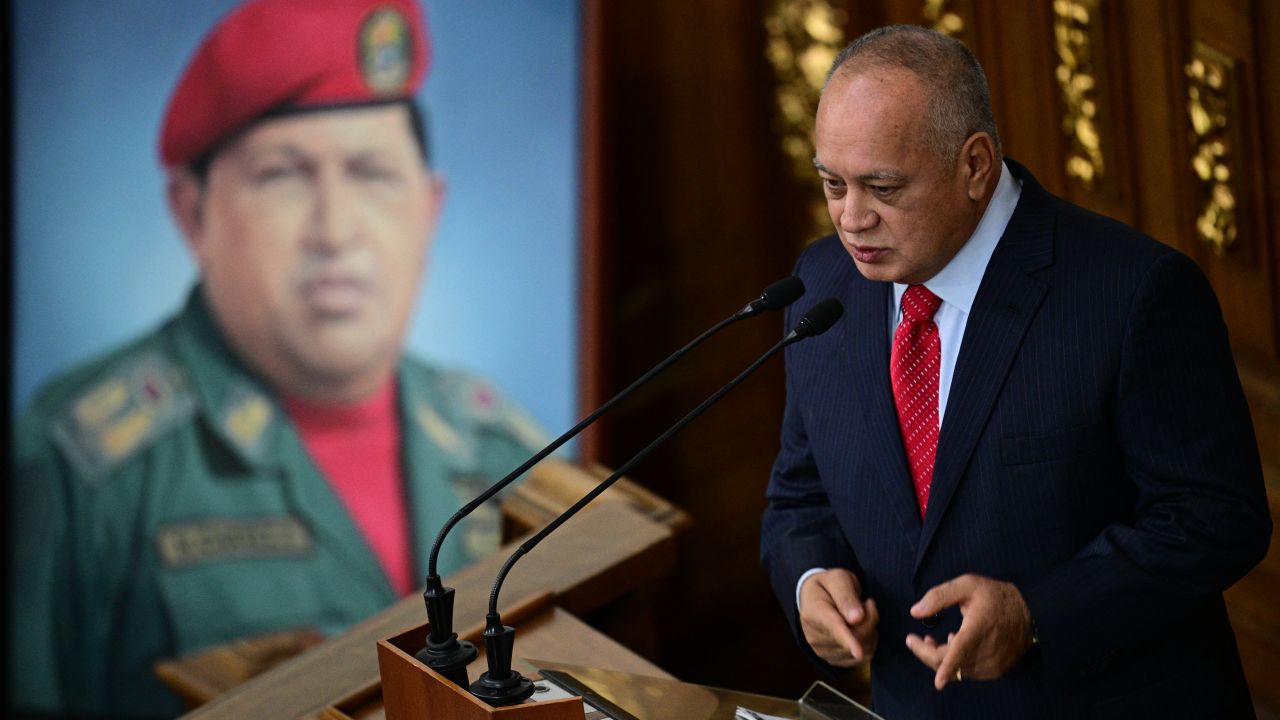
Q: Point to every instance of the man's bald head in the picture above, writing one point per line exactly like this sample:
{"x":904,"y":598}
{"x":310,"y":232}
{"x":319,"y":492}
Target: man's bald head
{"x":959,"y":102}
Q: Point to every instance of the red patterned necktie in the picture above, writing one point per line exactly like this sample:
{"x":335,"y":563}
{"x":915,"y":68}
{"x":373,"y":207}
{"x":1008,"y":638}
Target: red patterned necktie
{"x":913,"y":369}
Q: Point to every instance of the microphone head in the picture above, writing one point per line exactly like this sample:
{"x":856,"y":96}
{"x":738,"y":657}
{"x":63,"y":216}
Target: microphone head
{"x":781,"y":293}
{"x":775,"y":297}
{"x":819,"y":319}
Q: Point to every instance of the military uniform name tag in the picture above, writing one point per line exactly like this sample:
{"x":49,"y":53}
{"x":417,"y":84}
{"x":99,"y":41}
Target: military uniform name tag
{"x":203,"y":541}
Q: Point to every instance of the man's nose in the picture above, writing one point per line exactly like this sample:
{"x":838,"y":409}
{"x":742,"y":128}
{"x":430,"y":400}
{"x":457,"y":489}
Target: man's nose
{"x":855,"y":216}
{"x":336,"y":221}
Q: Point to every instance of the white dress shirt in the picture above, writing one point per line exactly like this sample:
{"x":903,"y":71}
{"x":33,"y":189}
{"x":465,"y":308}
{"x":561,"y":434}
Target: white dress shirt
{"x":957,"y":285}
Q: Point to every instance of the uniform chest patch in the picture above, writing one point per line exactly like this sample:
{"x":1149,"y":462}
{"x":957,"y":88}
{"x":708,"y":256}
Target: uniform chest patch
{"x":198,"y":542}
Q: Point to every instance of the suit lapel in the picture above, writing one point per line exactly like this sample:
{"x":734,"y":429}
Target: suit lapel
{"x":1003,"y":309}
{"x":867,"y":356}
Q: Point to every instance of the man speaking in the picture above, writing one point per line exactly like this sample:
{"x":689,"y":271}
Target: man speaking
{"x":1021,"y":474}
{"x":267,"y":459}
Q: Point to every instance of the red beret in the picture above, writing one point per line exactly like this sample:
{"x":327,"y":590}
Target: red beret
{"x":269,"y":55}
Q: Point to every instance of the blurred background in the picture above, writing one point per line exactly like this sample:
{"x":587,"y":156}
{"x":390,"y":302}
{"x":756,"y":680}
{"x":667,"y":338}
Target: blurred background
{"x":623,"y":175}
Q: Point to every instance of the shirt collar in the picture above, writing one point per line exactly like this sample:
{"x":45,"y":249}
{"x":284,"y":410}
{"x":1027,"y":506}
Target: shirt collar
{"x":957,"y":283}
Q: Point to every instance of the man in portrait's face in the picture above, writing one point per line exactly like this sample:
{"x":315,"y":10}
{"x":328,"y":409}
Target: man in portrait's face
{"x":311,"y":232}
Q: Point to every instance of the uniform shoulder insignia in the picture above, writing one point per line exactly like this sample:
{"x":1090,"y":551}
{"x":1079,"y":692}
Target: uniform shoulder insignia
{"x":490,"y":408}
{"x":432,"y":402}
{"x":463,"y":408}
{"x":439,"y":430}
{"x":130,"y":405}
{"x":524,"y":428}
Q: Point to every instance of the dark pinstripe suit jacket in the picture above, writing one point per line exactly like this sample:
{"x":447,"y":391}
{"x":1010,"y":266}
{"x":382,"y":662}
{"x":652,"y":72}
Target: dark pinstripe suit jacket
{"x":1096,"y":451}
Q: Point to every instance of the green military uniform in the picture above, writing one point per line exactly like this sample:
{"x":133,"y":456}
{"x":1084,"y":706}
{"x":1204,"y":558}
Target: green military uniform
{"x":165,"y":503}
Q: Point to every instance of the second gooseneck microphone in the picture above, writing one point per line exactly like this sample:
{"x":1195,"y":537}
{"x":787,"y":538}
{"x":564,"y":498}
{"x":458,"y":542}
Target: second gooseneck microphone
{"x":443,"y":652}
{"x":502,"y":685}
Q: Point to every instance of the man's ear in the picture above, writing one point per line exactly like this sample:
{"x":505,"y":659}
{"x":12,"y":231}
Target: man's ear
{"x":186,"y":202}
{"x":979,"y":158}
{"x":437,"y":188}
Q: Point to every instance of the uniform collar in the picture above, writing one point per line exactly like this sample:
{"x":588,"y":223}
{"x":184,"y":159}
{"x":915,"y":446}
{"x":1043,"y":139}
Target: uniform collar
{"x":248,"y":418}
{"x":431,"y":417}
{"x":235,"y":404}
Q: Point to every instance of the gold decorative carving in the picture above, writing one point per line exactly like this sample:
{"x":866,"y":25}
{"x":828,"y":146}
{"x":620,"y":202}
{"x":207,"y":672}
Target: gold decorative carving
{"x":1210,"y":105}
{"x":941,"y":18}
{"x":803,"y":38}
{"x":1073,"y":34}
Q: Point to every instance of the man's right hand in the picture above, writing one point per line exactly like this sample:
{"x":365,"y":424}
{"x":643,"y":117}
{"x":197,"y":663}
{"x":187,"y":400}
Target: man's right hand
{"x":840,"y":627}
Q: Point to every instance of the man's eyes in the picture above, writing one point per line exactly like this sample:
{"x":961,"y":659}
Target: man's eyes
{"x":272,"y":173}
{"x":374,"y":171}
{"x":833,"y":185}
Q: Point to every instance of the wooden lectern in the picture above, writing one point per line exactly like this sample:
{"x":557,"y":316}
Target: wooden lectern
{"x":611,"y":551}
{"x":411,"y":690}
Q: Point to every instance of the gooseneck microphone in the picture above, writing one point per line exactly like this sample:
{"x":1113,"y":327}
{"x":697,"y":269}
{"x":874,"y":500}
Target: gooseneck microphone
{"x":449,"y":656}
{"x":501,"y":685}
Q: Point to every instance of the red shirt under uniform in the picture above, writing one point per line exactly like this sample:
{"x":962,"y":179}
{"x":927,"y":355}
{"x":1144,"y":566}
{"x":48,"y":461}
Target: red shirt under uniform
{"x":357,"y":447}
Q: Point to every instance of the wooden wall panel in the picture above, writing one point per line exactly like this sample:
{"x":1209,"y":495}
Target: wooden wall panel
{"x":1029,"y":124}
{"x":1266,"y":18}
{"x":1158,"y":125}
{"x":1243,"y":275}
{"x":1255,"y":601}
{"x":1116,"y":194}
{"x":698,"y":213}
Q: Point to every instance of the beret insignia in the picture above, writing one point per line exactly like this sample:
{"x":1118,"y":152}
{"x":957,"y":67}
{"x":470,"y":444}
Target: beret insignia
{"x":386,"y":51}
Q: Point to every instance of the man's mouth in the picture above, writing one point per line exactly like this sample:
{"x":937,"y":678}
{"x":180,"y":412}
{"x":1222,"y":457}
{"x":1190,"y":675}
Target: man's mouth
{"x":866,"y":253}
{"x":335,"y":295}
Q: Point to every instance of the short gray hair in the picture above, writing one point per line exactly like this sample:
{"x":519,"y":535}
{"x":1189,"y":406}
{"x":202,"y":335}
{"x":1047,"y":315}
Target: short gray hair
{"x":959,"y":103}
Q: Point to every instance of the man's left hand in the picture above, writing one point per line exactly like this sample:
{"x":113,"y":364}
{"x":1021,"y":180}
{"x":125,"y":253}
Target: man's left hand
{"x":995,"y":629}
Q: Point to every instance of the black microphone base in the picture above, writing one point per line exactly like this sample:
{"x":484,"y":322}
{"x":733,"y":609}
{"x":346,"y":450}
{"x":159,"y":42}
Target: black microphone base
{"x":516,"y":688}
{"x":450,"y":661}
